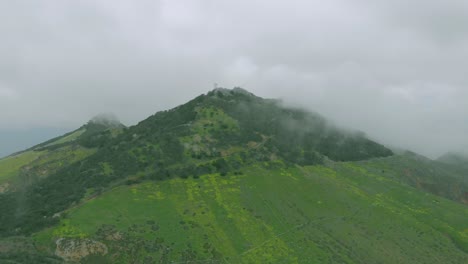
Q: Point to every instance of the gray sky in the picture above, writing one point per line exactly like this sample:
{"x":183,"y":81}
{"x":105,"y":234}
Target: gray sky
{"x":394,"y":69}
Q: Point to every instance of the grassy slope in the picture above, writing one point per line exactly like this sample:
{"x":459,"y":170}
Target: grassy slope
{"x":440,"y":179}
{"x":44,"y":160}
{"x":68,"y":137}
{"x":10,"y":166}
{"x":343,"y":213}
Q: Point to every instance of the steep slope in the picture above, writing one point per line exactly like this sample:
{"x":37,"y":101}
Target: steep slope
{"x":217,"y":132}
{"x":446,"y":180}
{"x":231,"y":177}
{"x":25,"y":167}
{"x":22,"y":172}
{"x":339,"y":213}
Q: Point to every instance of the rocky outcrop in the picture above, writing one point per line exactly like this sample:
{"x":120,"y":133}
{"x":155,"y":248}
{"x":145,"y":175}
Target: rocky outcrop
{"x":76,"y":249}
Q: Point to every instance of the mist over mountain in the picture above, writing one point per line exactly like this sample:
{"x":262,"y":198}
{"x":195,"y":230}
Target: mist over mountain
{"x":391,"y":71}
{"x":267,"y":178}
{"x":106,"y":119}
{"x":177,"y":131}
{"x":455,"y":158}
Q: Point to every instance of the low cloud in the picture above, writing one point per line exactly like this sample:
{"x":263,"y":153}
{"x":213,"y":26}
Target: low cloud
{"x":393,"y":69}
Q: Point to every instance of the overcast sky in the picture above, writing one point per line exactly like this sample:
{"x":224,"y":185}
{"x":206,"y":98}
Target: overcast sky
{"x":394,"y":69}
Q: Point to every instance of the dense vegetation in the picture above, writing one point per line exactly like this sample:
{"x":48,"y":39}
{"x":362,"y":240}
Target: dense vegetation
{"x":223,"y":136}
{"x":340,"y":213}
{"x":217,"y":132}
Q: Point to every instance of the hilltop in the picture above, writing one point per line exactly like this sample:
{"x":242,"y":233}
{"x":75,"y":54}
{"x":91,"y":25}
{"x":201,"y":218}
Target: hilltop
{"x":217,"y":132}
{"x":24,"y":167}
{"x":231,"y":177}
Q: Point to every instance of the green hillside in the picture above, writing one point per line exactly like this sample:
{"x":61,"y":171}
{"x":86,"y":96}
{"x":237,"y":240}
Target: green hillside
{"x":23,"y":168}
{"x":340,"y":213}
{"x":229,"y":177}
{"x":446,"y":180}
{"x":10,"y":166}
{"x":218,"y":132}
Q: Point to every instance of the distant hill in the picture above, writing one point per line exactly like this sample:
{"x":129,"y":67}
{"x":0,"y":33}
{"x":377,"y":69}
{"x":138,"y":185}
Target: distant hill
{"x":454,"y":158}
{"x":229,"y":177}
{"x":25,"y":167}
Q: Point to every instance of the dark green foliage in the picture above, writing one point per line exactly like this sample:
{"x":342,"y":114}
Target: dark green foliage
{"x":96,"y":259}
{"x":446,"y":180}
{"x":295,"y":135}
{"x":338,"y":147}
{"x":221,"y":134}
{"x":153,"y":150}
{"x":8,"y":208}
{"x":96,"y":135}
{"x":28,"y":258}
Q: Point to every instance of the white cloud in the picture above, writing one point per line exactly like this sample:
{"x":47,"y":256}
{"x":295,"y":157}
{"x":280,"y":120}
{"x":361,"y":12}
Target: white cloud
{"x":394,"y":69}
{"x":7,"y":94}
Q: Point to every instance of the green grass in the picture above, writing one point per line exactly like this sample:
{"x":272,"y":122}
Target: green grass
{"x":444,"y":180}
{"x":38,"y":164}
{"x":64,"y":155}
{"x":343,"y":213}
{"x":68,"y":138}
{"x":210,"y":119}
{"x":10,"y":166}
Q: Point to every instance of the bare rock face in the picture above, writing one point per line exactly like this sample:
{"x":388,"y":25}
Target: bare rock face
{"x":76,"y":249}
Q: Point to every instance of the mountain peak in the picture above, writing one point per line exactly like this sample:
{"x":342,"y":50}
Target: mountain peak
{"x":106,"y":119}
{"x":229,"y":92}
